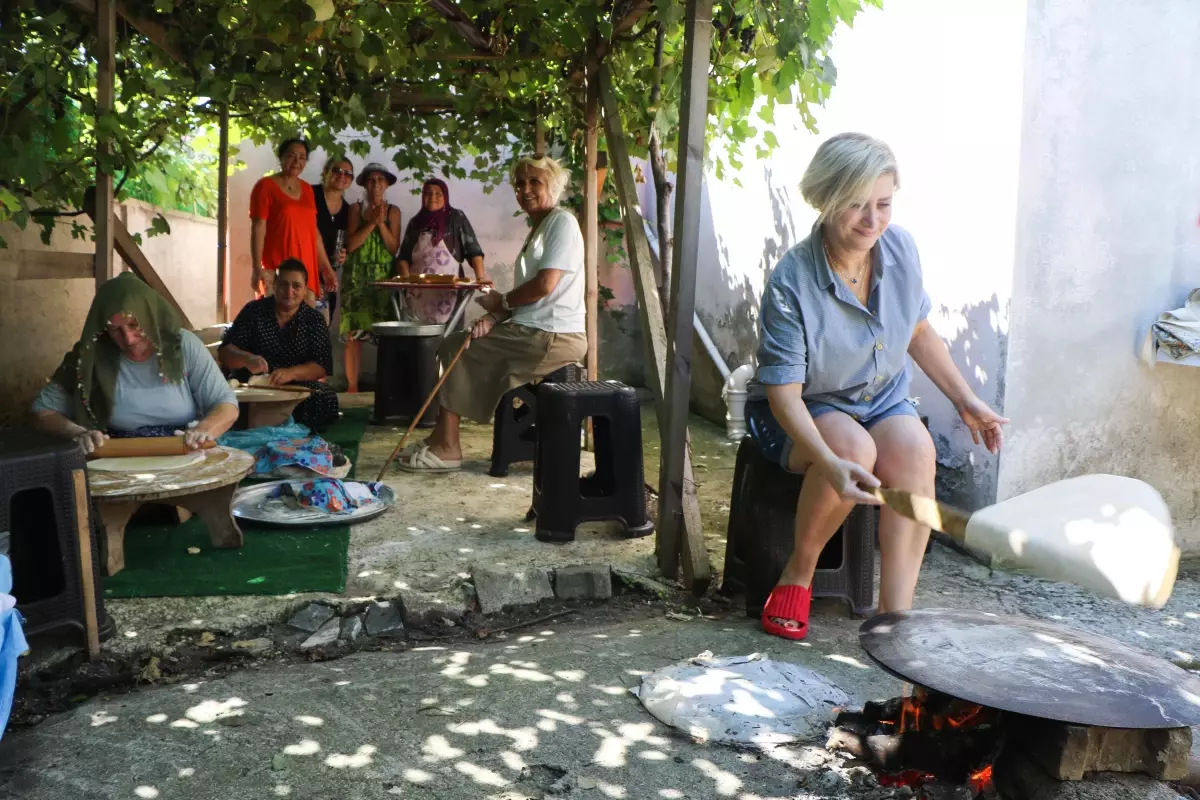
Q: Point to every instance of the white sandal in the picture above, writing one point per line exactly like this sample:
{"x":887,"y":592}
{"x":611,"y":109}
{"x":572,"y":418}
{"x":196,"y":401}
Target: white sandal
{"x":420,"y":459}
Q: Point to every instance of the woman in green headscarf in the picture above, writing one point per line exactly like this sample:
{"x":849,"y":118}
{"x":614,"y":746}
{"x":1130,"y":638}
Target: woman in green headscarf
{"x":135,"y":372}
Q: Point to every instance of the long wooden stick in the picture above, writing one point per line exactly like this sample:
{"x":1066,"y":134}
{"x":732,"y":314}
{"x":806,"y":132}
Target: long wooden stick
{"x":86,"y":575}
{"x":421,"y":413}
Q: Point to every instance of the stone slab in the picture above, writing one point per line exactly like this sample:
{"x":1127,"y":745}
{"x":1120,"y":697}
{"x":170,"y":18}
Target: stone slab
{"x":501,"y":588}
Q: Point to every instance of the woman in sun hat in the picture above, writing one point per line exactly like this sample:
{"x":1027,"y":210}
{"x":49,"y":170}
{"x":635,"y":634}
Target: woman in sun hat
{"x":373,"y":241}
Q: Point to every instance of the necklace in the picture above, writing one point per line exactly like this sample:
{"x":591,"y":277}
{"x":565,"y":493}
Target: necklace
{"x":837,"y":267}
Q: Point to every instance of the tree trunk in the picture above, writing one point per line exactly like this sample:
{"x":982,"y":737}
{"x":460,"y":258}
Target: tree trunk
{"x":662,"y":187}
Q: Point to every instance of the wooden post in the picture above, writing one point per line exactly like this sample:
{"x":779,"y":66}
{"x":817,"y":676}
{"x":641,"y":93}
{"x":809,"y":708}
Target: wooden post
{"x":693,"y":105}
{"x":591,"y":232}
{"x":223,"y":217}
{"x":87,"y":576}
{"x":696,"y":570}
{"x":106,"y":37}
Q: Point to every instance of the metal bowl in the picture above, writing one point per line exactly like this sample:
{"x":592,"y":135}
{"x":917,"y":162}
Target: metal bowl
{"x":254,"y":504}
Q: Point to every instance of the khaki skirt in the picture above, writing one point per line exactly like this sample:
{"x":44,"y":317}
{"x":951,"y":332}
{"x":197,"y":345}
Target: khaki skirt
{"x":509,"y":356}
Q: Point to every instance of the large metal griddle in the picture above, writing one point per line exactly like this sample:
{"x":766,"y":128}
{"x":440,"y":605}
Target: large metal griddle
{"x":1032,"y":667}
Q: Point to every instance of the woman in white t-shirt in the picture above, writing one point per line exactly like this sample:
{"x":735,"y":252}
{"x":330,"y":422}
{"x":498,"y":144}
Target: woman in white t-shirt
{"x":528,"y":333}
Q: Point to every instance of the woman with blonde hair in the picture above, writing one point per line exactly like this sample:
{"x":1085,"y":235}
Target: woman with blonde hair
{"x":529,"y":332}
{"x":842,"y":313}
{"x":333,"y":215}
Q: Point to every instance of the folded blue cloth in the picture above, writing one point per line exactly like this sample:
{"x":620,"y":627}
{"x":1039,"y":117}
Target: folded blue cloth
{"x":330,"y":494}
{"x":12,"y":643}
{"x":254,"y":438}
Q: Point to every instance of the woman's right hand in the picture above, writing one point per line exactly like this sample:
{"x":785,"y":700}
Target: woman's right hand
{"x":483,"y":326}
{"x":90,"y":440}
{"x":847,"y":479}
{"x":258,"y":366}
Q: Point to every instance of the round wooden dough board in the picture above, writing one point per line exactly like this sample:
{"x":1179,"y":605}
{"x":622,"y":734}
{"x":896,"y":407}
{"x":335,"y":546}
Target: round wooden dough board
{"x":146,"y":463}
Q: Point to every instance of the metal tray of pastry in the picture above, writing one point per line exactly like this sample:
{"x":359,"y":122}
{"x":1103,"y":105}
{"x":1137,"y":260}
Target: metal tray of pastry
{"x":255,"y":504}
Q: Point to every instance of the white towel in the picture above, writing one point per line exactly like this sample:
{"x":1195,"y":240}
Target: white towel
{"x":1177,"y":332}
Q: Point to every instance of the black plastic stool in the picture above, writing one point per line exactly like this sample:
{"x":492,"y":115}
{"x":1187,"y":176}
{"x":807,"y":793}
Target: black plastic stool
{"x":514,"y":434}
{"x":761,"y":534}
{"x":38,"y":525}
{"x":561,"y":498}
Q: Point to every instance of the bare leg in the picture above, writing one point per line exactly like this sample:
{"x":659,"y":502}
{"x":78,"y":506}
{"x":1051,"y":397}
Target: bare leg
{"x":443,"y":440}
{"x":352,"y":355}
{"x":820,"y":512}
{"x":906,"y":460}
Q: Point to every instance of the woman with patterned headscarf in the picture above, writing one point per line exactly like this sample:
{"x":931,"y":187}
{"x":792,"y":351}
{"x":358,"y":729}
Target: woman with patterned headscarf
{"x":438,"y":239}
{"x":135,"y":372}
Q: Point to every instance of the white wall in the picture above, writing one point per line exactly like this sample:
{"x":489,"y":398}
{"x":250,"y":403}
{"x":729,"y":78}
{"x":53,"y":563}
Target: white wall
{"x":1107,"y":239}
{"x":940,"y":81}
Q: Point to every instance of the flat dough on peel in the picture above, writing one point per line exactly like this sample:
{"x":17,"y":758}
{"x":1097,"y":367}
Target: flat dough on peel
{"x":146,"y":463}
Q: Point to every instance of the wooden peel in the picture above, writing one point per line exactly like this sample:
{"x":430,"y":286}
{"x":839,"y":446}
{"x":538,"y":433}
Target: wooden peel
{"x":421,"y":413}
{"x":1109,"y":534}
{"x":145,"y":446}
{"x":265,"y":383}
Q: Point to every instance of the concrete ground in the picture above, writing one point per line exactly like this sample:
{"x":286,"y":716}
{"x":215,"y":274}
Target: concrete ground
{"x":440,"y":526}
{"x":543,"y":713}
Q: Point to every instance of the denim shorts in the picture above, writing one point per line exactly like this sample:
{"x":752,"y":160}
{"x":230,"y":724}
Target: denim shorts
{"x":773,"y":441}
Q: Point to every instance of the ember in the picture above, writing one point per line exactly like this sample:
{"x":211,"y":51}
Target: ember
{"x":981,"y":780}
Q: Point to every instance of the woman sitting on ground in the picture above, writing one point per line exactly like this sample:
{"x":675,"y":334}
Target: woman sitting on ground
{"x":528,"y":333}
{"x":284,"y":338}
{"x":373,"y":240}
{"x":135,"y":372}
{"x":283,"y":224}
{"x":842,"y":313}
{"x":438,"y":239}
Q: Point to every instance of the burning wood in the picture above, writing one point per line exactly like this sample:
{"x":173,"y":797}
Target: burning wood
{"x":920,"y":740}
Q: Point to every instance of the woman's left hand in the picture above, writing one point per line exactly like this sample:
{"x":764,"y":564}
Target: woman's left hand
{"x":331,"y":281}
{"x":985,"y":424}
{"x":491,"y":301}
{"x":281,"y":376}
{"x":194,"y":437}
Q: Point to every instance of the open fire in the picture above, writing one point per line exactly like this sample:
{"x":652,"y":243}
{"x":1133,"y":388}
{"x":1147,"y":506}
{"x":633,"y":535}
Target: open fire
{"x":922,"y":741}
{"x":944,"y":748}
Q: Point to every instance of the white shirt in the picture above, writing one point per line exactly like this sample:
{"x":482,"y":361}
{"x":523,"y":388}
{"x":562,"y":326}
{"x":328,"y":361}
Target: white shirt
{"x":557,"y":243}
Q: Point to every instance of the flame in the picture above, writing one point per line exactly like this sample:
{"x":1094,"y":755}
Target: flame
{"x":981,"y":780}
{"x":914,"y":716}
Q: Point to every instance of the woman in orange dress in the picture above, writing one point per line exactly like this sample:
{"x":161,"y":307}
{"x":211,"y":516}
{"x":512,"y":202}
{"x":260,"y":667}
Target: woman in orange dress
{"x":283,"y":225}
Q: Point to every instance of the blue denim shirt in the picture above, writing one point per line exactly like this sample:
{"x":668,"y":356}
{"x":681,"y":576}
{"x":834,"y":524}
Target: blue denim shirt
{"x":814,"y":331}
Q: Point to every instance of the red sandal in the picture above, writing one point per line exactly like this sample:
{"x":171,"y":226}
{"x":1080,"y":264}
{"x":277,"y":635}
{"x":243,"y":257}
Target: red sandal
{"x":790,"y":603}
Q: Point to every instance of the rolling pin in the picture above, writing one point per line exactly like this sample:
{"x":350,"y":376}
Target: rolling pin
{"x":1110,"y":534}
{"x":145,"y":446}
